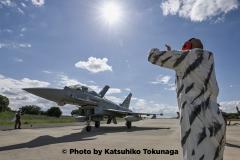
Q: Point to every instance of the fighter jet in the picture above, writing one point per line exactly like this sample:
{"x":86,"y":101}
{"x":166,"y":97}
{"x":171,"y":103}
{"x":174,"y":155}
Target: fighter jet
{"x":93,"y":105}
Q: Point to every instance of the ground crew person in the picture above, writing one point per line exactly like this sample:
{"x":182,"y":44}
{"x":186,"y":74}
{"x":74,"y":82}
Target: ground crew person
{"x":238,"y":111}
{"x":202,"y":123}
{"x":18,"y":120}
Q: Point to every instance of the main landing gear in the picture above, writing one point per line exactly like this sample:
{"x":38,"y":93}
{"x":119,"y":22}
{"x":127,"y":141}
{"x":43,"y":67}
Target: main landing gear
{"x":97,"y":124}
{"x":89,"y":127}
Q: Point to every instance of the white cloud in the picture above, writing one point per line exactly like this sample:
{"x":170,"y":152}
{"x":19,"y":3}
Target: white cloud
{"x":66,"y":81}
{"x":230,"y":106}
{"x":3,"y":45}
{"x":7,"y":30}
{"x":127,"y":89}
{"x":34,"y":83}
{"x":114,"y":99}
{"x":23,"y":29}
{"x":113,"y":91}
{"x":162,"y":80}
{"x":96,"y":88}
{"x":20,"y":10}
{"x":8,"y":3}
{"x":166,"y":81}
{"x":234,"y":85}
{"x":91,"y":81}
{"x":94,"y":65}
{"x":12,"y":88}
{"x":18,"y":60}
{"x":198,"y":10}
{"x":19,"y":6}
{"x":145,"y":106}
{"x":171,"y":87}
{"x":38,"y":3}
{"x":23,"y":45}
{"x":23,"y":4}
{"x":25,"y":82}
{"x":47,"y":72}
{"x":15,"y":45}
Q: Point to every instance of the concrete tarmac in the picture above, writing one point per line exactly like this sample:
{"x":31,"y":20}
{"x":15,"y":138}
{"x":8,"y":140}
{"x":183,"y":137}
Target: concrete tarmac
{"x":73,"y":142}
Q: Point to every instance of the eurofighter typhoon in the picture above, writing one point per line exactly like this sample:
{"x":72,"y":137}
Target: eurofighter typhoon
{"x":93,"y":106}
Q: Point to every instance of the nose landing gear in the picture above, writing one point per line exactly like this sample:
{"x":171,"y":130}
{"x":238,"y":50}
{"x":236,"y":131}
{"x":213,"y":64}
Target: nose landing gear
{"x":88,"y":127}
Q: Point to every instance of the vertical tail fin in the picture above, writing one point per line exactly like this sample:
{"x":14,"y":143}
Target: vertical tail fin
{"x":126,"y":102}
{"x":104,"y":91}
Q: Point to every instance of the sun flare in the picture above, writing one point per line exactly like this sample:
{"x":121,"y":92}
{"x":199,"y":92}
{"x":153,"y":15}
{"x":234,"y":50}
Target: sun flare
{"x":111,"y":13}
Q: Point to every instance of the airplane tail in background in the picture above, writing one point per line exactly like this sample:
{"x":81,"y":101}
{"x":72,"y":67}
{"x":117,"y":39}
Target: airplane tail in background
{"x":104,"y":91}
{"x":126,"y":102}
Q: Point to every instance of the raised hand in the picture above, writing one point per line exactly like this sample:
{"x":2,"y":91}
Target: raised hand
{"x":168,"y":47}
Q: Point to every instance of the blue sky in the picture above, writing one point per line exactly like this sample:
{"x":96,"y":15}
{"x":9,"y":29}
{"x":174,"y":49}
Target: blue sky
{"x":49,"y":43}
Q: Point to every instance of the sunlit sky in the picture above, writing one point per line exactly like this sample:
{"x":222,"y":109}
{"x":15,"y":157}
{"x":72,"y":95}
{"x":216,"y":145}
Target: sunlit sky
{"x":54,"y":43}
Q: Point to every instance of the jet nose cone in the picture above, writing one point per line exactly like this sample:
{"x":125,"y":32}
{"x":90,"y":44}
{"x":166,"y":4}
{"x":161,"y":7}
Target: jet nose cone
{"x":27,"y":89}
{"x":30,"y":90}
{"x":35,"y":91}
{"x":52,"y":94}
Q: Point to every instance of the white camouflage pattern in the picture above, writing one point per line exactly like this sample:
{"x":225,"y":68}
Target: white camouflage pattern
{"x":202,"y":123}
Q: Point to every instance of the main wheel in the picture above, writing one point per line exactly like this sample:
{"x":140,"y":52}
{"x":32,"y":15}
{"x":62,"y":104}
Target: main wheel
{"x":97,"y":124}
{"x":129,"y":124}
{"x":109,"y":120}
{"x":88,"y":128}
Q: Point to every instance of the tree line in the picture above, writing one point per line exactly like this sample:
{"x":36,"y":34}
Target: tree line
{"x":29,"y":109}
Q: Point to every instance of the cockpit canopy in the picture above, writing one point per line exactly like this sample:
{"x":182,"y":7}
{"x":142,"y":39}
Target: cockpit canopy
{"x":82,"y":88}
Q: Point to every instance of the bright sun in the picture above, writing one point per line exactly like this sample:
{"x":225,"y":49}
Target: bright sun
{"x":111,"y":13}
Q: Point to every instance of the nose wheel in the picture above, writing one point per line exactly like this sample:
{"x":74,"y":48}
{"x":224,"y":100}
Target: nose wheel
{"x":97,"y":124}
{"x":88,"y":128}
